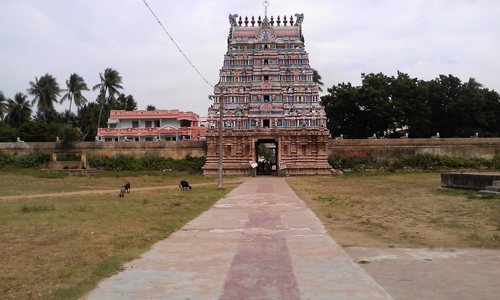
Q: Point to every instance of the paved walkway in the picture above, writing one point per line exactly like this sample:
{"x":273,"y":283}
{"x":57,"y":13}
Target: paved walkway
{"x":260,"y":242}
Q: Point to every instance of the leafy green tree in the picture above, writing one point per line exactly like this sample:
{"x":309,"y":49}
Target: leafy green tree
{"x":444,"y":105}
{"x":110,"y":83}
{"x":67,"y":134}
{"x":7,"y":133}
{"x":34,"y":131}
{"x":377,"y":106}
{"x":3,"y":105}
{"x":75,"y":85}
{"x":124,"y":103}
{"x":46,"y":90}
{"x":342,"y":109}
{"x":150,"y":107}
{"x":87,"y":120}
{"x":19,"y":110}
{"x":49,"y":116}
{"x":410,"y":110}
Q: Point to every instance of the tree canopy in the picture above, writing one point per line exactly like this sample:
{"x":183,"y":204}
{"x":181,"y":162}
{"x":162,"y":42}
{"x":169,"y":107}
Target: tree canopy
{"x":109,"y":85}
{"x":46,"y":90}
{"x":75,"y":85}
{"x":19,"y":110}
{"x":383,"y":104}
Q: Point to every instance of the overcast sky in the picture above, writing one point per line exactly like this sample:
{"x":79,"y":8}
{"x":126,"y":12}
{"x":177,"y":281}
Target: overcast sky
{"x":423,"y":38}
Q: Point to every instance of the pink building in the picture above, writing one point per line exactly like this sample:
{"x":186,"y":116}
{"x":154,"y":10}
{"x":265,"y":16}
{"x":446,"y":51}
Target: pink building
{"x":142,"y":125}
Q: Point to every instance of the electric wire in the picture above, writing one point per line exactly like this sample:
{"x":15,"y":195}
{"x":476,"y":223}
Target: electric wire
{"x":180,"y":50}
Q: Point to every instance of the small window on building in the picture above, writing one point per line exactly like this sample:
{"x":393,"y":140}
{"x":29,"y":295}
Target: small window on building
{"x":185,"y":123}
{"x":266,"y":123}
{"x":266,"y":61}
{"x":149,"y":124}
{"x":135,"y":124}
{"x":149,"y":139}
{"x":157,"y":123}
{"x":108,"y":139}
{"x":117,"y":139}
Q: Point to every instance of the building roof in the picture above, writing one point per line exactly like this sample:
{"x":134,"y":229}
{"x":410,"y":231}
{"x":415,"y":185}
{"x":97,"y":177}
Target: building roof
{"x":153,"y":114}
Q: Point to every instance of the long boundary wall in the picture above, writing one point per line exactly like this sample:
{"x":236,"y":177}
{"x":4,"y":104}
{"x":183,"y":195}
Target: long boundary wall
{"x":171,"y":149}
{"x":390,"y":149}
{"x":393,"y":149}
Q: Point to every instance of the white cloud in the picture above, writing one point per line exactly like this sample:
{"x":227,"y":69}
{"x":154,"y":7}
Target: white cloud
{"x":344,"y":39}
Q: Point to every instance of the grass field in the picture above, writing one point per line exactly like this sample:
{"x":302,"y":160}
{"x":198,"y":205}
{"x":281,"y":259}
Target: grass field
{"x":400,"y":210}
{"x":59,"y":247}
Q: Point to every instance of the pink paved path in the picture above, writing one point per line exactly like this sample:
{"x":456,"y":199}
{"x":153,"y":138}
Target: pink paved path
{"x":260,"y":242}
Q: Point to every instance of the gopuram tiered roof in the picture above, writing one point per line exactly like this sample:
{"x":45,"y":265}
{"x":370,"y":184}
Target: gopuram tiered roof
{"x":269,"y":96}
{"x":266,"y":80}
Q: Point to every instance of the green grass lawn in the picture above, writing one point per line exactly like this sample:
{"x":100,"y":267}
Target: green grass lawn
{"x":61,"y":247}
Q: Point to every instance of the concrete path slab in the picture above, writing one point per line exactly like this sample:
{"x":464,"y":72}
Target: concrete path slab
{"x":446,"y":274}
{"x":260,"y":242}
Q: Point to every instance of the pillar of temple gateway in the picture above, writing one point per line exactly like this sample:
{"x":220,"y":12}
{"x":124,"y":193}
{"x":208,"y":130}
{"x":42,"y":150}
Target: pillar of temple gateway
{"x":272,"y":117}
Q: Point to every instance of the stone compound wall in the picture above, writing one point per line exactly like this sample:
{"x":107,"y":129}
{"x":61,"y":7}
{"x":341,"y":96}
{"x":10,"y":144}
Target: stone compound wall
{"x":177,"y":150}
{"x":393,"y":149}
{"x":390,"y":149}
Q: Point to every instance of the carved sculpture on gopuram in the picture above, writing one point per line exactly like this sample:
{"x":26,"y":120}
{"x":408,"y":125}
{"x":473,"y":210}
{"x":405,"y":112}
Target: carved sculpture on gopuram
{"x":270,"y":101}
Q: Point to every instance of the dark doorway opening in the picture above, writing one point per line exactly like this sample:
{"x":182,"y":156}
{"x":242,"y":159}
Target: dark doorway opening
{"x":266,"y":157}
{"x":266,"y":123}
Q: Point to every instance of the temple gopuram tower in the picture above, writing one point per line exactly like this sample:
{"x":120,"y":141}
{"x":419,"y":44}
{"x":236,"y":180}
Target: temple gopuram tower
{"x":269,"y":97}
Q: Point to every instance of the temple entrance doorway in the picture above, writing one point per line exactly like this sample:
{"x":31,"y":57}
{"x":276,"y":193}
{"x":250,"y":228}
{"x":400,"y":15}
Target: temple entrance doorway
{"x":266,"y":157}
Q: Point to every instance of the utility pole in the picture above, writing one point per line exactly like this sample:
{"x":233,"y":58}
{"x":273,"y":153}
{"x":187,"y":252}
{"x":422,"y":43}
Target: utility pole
{"x":221,"y":126}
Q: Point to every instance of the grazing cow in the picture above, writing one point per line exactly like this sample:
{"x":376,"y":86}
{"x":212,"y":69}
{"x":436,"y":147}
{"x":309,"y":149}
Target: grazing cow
{"x":127,"y":187}
{"x":184,"y":185}
{"x":122,"y":192}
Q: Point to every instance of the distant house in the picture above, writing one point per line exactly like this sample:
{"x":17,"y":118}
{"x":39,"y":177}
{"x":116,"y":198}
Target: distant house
{"x":143,"y":125}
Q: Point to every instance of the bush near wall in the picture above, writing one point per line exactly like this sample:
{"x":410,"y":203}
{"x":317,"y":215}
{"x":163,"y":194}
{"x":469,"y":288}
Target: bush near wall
{"x":423,"y":161}
{"x":150,"y":161}
{"x":34,"y":159}
{"x":6,"y":159}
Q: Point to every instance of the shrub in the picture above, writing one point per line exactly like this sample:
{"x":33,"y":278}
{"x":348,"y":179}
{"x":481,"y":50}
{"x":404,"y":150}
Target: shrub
{"x":150,"y":161}
{"x":6,"y":159}
{"x":495,"y":163}
{"x":424,"y":161}
{"x":124,"y":162}
{"x":98,"y":161}
{"x":33,"y":159}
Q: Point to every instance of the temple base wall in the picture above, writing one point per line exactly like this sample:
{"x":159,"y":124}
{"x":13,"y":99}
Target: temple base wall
{"x":303,"y":150}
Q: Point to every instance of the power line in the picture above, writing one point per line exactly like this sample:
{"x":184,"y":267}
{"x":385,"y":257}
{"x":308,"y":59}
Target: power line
{"x":176,"y":44}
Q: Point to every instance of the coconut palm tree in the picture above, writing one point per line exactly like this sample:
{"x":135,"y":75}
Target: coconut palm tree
{"x":317,"y":79}
{"x":110,"y":83}
{"x":3,"y":105}
{"x":19,"y":110}
{"x":46,"y":89}
{"x":472,"y":84}
{"x":75,"y":85}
